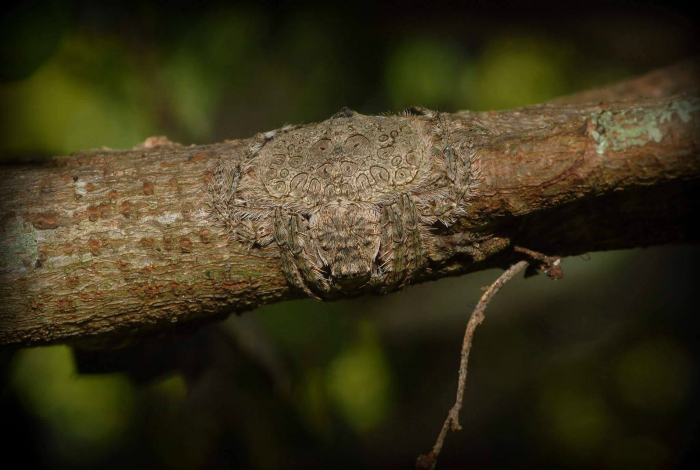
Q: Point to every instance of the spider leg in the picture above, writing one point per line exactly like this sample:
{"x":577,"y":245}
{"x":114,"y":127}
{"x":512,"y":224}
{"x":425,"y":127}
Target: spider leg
{"x":415,"y":246}
{"x":299,"y":264}
{"x":393,"y":235}
{"x":459,"y":170}
{"x":220,"y":197}
{"x":401,"y":241}
{"x":287,"y":247}
{"x":305,"y":252}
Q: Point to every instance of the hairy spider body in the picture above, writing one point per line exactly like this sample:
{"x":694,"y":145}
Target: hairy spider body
{"x":349,"y":202}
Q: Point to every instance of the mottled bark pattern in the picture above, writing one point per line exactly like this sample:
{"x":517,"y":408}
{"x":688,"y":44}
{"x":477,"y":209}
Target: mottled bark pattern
{"x":104,"y":245}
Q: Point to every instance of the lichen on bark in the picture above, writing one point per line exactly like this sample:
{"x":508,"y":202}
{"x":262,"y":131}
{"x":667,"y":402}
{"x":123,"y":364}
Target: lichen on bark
{"x":18,"y":246}
{"x":637,"y":127}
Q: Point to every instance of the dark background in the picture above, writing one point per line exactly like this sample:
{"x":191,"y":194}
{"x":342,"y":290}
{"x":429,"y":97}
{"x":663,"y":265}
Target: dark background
{"x":599,"y":369}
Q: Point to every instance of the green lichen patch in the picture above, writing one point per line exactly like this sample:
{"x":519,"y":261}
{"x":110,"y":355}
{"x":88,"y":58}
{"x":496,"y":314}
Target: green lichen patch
{"x":620,"y":130}
{"x":18,"y":245}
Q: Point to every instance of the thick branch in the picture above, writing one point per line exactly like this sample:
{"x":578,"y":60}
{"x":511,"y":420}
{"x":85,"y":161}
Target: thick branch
{"x":106,"y":244}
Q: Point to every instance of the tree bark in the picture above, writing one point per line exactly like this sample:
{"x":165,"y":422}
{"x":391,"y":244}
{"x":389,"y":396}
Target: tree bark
{"x":106,"y":245}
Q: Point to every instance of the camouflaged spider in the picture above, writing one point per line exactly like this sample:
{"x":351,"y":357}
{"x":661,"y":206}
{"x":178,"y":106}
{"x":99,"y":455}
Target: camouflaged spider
{"x":349,"y":202}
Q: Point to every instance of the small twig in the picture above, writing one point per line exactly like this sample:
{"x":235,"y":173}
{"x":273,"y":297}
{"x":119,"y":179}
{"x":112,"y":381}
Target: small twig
{"x":452,"y":421}
{"x":549,"y":264}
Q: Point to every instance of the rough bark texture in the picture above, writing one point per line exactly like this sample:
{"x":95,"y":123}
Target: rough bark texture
{"x":105,"y":245}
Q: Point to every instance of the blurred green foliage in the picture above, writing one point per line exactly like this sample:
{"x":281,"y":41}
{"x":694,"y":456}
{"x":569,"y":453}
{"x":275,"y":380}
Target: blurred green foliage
{"x":423,"y":71}
{"x":359,"y":381}
{"x":78,"y":75}
{"x":542,"y":68}
{"x":654,"y":375}
{"x":577,"y":413}
{"x":87,"y":417}
{"x":208,"y":59}
{"x":85,"y":96}
{"x":230,"y":71}
{"x":29,"y":35}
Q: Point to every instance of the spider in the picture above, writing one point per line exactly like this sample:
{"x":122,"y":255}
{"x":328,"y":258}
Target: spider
{"x":349,"y":202}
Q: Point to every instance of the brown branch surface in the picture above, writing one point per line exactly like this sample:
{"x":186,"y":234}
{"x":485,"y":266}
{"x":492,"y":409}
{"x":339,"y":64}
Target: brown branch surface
{"x":104,"y":245}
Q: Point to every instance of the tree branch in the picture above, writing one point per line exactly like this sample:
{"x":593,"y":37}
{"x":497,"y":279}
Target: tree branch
{"x":104,"y":245}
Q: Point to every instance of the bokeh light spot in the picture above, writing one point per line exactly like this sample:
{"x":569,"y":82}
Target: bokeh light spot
{"x":515,"y":71}
{"x":359,"y":383}
{"x":577,"y":416}
{"x":422,"y":72}
{"x":654,"y":376}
